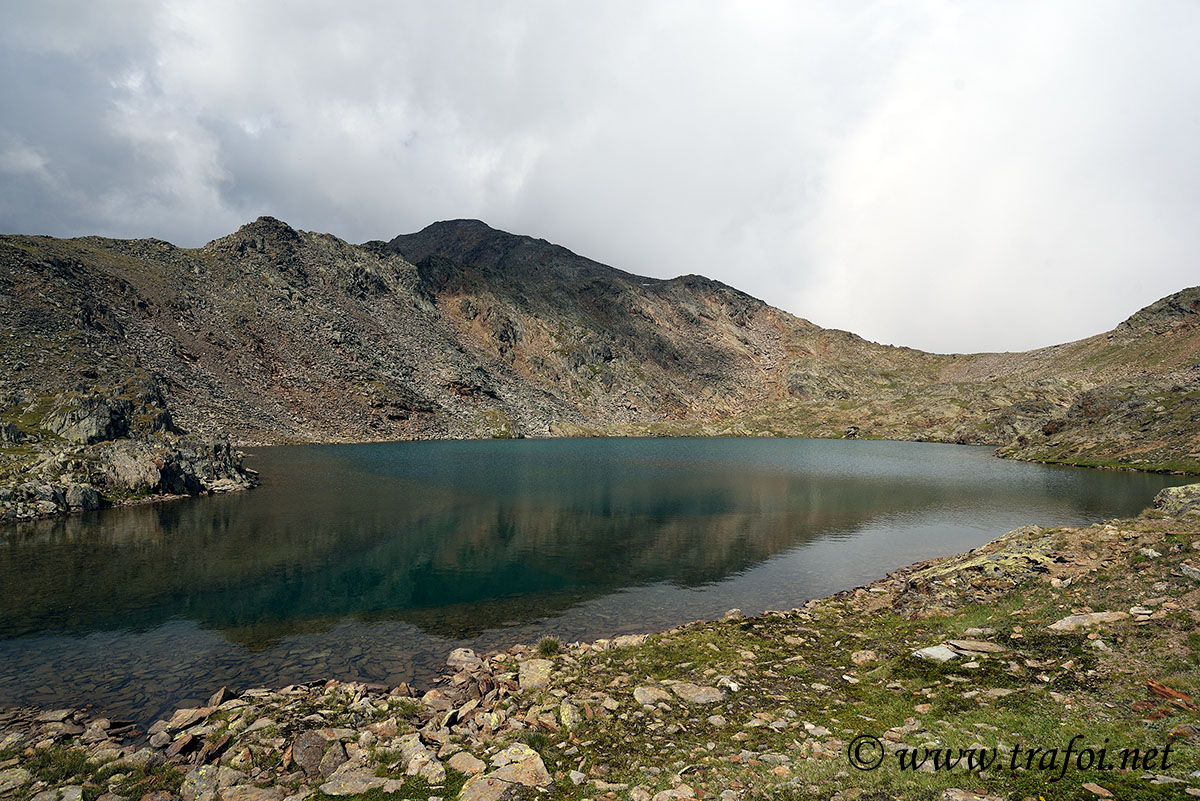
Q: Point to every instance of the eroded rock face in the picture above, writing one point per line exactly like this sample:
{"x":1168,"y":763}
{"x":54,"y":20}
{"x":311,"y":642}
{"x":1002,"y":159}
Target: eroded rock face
{"x":89,"y":419}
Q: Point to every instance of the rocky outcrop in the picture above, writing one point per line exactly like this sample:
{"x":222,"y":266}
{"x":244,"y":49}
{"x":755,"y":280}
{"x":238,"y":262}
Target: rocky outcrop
{"x":1147,"y":422}
{"x":1179,"y":501}
{"x":91,"y":449}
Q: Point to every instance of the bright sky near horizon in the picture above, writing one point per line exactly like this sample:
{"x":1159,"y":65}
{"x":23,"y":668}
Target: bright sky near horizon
{"x":953,"y":175}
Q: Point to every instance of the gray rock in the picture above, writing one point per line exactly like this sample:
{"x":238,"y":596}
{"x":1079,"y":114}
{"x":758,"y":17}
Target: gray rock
{"x":202,"y":783}
{"x":13,"y":778}
{"x":307,"y":751}
{"x":1073,"y":622}
{"x":10,"y":434}
{"x":352,"y":780}
{"x":333,"y":758}
{"x":518,"y":764}
{"x":535,"y":673}
{"x":1179,"y":501}
{"x":464,"y":658}
{"x":248,"y":792}
{"x":696,"y":694}
{"x":649,"y":696}
{"x":978,"y":646}
{"x":568,"y":715}
{"x":936,"y":653}
{"x":70,"y":793}
{"x":467,"y":763}
{"x":427,"y":767}
{"x":83,"y":496}
{"x":88,"y":419}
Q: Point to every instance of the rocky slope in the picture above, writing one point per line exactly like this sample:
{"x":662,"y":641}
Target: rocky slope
{"x":276,"y":335}
{"x":965,"y":678}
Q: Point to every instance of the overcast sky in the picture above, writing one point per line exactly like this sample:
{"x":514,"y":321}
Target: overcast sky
{"x":952,"y":176}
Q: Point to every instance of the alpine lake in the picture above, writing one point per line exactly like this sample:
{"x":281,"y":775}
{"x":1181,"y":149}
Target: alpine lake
{"x":371,"y":562}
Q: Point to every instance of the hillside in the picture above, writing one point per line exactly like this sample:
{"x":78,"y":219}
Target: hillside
{"x":124,"y":364}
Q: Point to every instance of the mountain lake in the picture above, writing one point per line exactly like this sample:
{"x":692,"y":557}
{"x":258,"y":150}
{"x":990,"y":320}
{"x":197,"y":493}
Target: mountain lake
{"x":371,"y":562}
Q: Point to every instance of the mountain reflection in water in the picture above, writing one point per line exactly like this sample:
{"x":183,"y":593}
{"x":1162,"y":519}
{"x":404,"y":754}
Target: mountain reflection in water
{"x":389,"y":555}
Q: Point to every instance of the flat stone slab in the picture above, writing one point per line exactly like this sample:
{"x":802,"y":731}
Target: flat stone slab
{"x":695,"y":694}
{"x":535,"y":673}
{"x":352,"y":782}
{"x":520,"y":765}
{"x":70,"y":793}
{"x":978,"y":646}
{"x":12,"y":778}
{"x":248,"y":792}
{"x":1073,"y":622}
{"x":467,"y":763}
{"x":936,"y":653}
{"x":649,"y":696}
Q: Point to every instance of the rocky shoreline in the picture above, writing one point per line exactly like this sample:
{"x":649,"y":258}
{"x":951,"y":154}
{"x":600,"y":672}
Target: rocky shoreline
{"x":81,"y":451}
{"x":1040,"y":630}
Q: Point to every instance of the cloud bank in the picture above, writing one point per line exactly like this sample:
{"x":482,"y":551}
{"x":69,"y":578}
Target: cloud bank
{"x":946,"y":175}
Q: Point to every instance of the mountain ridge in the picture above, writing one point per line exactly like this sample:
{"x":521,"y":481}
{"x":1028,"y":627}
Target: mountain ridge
{"x":271,"y":334}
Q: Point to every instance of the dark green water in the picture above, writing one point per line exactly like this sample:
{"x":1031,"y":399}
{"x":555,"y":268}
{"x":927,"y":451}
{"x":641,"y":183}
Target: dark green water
{"x":373,"y":561}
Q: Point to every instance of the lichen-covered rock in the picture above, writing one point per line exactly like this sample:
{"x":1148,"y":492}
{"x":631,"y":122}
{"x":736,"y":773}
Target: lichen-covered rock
{"x":1179,"y":501}
{"x":535,"y":673}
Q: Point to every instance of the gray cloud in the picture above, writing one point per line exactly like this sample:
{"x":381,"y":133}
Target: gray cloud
{"x":952,"y":176}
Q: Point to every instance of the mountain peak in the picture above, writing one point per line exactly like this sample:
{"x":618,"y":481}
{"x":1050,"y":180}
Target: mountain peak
{"x":266,"y":235}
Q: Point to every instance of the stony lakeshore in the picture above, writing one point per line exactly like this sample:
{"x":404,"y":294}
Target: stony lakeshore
{"x":1041,"y":648}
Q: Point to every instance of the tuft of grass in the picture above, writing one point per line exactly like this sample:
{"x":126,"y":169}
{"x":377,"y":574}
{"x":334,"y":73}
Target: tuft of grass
{"x":548,"y":646}
{"x":405,"y":707}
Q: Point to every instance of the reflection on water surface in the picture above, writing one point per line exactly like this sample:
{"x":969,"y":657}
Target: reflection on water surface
{"x":372,"y":561}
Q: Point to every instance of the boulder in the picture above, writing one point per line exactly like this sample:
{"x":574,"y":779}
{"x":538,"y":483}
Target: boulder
{"x":696,"y":694}
{"x":307,"y":750}
{"x":83,"y":496}
{"x":1178,"y":501}
{"x":535,"y":673}
{"x":936,"y":653}
{"x":464,"y":658}
{"x":649,"y":696}
{"x":467,"y":763}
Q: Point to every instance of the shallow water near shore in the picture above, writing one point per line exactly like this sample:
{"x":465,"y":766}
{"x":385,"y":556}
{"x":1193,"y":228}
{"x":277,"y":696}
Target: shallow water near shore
{"x":371,"y":562}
